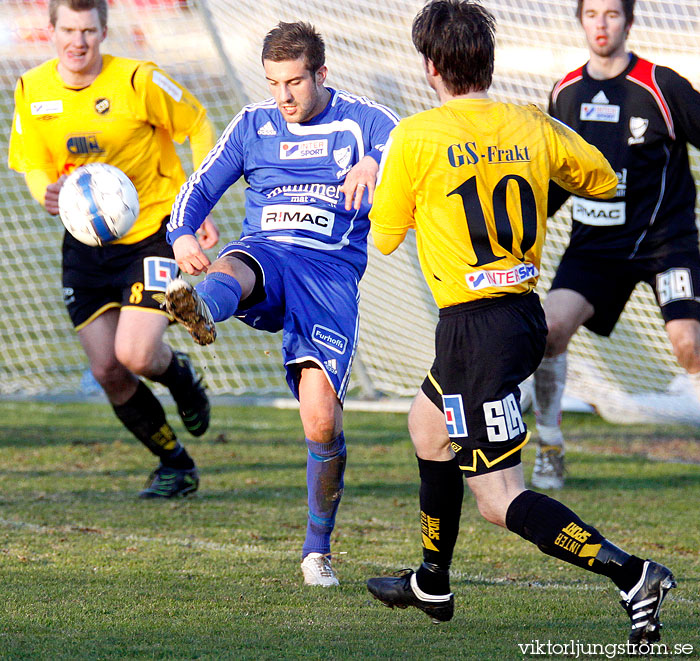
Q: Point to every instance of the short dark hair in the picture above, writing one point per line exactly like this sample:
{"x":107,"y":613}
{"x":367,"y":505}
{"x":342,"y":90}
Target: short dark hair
{"x":78,"y":5}
{"x":627,"y":10}
{"x":458,"y":36}
{"x":290,"y":41}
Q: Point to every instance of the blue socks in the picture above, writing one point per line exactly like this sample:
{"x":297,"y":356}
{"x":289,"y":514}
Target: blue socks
{"x":325,"y":466}
{"x":222,"y":293}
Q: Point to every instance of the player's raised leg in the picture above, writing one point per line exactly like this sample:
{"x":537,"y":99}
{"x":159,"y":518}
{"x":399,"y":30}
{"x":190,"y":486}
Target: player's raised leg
{"x":214,"y":299}
{"x":322,"y":419}
{"x":565,"y":310}
{"x":136,"y":406}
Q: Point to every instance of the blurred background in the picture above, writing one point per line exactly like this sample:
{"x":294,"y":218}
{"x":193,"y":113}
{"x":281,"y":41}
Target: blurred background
{"x":213,"y":48}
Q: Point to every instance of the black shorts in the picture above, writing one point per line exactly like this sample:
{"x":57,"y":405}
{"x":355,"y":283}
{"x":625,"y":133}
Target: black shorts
{"x":114,"y":276}
{"x":607,"y":284}
{"x":483,"y":350}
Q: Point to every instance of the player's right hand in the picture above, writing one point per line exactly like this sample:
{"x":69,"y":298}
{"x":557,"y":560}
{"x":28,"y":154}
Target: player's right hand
{"x":51,"y":195}
{"x":189,"y":255}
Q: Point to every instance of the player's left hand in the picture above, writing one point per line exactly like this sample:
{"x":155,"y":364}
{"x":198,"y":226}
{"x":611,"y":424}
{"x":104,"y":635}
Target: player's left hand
{"x":208,"y":234}
{"x":189,"y":255}
{"x":362,"y":177}
{"x":51,"y":195}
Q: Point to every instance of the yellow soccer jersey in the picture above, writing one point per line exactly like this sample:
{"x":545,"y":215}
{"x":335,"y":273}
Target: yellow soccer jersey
{"x":471,"y":177}
{"x":128,"y":117}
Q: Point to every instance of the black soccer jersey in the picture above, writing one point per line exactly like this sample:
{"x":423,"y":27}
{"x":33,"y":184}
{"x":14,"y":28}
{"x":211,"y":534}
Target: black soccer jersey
{"x":642,"y":121}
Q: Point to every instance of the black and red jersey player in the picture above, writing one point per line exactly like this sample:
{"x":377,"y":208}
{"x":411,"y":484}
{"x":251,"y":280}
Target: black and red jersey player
{"x":641,"y":116}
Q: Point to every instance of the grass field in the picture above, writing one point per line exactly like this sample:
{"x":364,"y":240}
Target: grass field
{"x":87,"y":571}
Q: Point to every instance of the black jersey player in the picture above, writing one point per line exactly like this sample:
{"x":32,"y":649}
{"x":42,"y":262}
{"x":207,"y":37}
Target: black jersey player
{"x":642,"y":117}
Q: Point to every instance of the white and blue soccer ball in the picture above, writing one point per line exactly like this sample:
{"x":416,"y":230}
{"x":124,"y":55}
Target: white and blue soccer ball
{"x":98,"y":203}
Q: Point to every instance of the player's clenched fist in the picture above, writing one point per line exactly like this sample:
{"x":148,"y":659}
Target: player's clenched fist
{"x":189,"y":255}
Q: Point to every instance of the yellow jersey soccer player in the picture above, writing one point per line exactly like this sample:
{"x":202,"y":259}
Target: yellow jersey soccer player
{"x":80,"y":107}
{"x":471,"y":177}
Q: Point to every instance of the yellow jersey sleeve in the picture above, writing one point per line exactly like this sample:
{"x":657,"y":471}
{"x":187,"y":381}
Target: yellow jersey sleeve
{"x":168,"y":105}
{"x":472,"y":178}
{"x":27,"y":151}
{"x":393,"y":208}
{"x":578,"y":166}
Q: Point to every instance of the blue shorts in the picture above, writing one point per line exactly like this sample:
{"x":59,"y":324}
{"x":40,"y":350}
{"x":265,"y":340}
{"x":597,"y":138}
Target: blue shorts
{"x":314,"y":302}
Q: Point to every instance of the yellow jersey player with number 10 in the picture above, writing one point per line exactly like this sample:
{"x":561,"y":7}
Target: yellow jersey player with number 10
{"x":81,"y":107}
{"x":480,"y":208}
{"x":472,"y":178}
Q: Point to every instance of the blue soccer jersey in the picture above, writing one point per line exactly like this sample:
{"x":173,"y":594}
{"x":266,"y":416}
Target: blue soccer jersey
{"x":294,"y":173}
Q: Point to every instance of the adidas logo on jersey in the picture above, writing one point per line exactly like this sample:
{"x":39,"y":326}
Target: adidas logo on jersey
{"x":267,"y":129}
{"x":600,"y":98}
{"x":331,"y":365}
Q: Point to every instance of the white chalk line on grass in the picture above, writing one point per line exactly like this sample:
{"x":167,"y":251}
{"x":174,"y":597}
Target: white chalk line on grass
{"x":80,"y":529}
{"x":237,"y":549}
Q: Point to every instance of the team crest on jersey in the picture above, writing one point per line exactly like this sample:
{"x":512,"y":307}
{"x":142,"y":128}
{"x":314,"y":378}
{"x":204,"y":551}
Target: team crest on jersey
{"x":102,"y":106}
{"x":342,"y":158}
{"x":158,"y":272}
{"x":638,"y":127}
{"x":299,"y":150}
{"x":455,"y":419}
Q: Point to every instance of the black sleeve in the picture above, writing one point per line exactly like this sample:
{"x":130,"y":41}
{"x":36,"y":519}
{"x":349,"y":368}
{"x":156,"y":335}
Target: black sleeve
{"x":683,"y":102}
{"x":557,"y":197}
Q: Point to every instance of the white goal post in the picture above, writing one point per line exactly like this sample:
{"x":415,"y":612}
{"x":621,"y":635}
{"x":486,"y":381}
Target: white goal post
{"x":213,"y":47}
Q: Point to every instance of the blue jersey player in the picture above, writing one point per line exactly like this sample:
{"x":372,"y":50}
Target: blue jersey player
{"x":308,"y":155}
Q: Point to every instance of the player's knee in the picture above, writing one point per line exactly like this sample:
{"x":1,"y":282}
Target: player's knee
{"x":136,"y":359}
{"x":492,"y":511}
{"x":558,"y":336}
{"x":320,"y":428}
{"x":430,"y":441}
{"x":110,"y":374}
{"x":238,"y":269}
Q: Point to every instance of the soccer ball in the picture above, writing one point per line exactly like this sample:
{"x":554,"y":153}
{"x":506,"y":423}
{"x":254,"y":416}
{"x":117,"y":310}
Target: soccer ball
{"x":98,"y":204}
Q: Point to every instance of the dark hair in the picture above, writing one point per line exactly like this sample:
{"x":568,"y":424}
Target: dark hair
{"x":78,"y":5}
{"x":627,"y":10}
{"x":290,"y":41}
{"x":458,"y":36}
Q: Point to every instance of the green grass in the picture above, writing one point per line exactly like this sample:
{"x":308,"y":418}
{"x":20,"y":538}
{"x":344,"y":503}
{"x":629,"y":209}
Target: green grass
{"x":87,"y":571}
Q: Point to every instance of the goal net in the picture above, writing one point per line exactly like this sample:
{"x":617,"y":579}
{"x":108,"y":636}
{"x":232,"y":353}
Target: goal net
{"x":213,"y":47}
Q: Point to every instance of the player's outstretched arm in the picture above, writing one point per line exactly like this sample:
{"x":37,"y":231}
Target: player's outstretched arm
{"x":578,"y":166}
